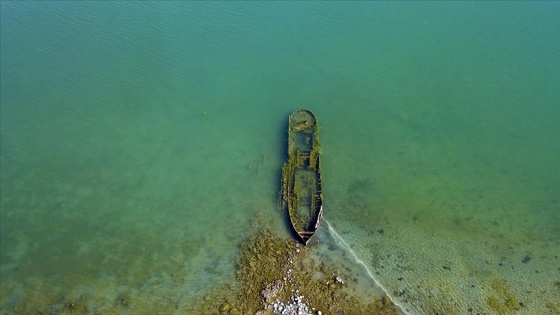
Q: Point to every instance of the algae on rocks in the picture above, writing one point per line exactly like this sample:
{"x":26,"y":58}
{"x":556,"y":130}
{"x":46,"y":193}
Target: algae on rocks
{"x":276,"y":274}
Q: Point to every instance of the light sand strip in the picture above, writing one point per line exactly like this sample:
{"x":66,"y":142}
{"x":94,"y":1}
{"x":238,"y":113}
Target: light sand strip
{"x":361,"y":262}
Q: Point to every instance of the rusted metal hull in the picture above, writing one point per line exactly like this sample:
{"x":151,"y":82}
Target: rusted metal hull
{"x":302,"y":194}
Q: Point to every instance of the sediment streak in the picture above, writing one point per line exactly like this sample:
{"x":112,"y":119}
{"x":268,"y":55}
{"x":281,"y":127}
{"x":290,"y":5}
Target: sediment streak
{"x":361,"y":262}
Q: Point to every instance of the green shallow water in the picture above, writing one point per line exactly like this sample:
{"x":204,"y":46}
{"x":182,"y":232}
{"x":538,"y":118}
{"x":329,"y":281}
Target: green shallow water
{"x":139,"y":142}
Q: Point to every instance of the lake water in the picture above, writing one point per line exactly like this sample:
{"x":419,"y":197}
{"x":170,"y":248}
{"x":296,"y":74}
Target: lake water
{"x":140,"y":140}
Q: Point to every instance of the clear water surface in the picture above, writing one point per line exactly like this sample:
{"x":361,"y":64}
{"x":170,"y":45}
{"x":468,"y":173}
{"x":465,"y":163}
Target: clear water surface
{"x":140,"y":140}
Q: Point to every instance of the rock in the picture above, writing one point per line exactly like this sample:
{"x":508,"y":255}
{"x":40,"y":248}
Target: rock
{"x":270,"y":293}
{"x":224,"y":307}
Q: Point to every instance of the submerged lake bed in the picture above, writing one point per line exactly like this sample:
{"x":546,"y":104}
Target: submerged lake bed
{"x":142,"y":146}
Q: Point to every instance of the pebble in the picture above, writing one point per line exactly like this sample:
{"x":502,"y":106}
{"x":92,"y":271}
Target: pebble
{"x":296,"y":306}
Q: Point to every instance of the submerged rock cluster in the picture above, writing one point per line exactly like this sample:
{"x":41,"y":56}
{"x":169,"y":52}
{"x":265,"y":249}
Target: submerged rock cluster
{"x":277,"y":276}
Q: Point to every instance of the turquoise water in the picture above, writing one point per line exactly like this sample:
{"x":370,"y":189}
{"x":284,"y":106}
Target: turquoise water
{"x":140,"y":140}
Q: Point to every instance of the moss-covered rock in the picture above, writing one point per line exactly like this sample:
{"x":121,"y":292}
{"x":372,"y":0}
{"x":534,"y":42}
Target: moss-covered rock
{"x":272,"y":270}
